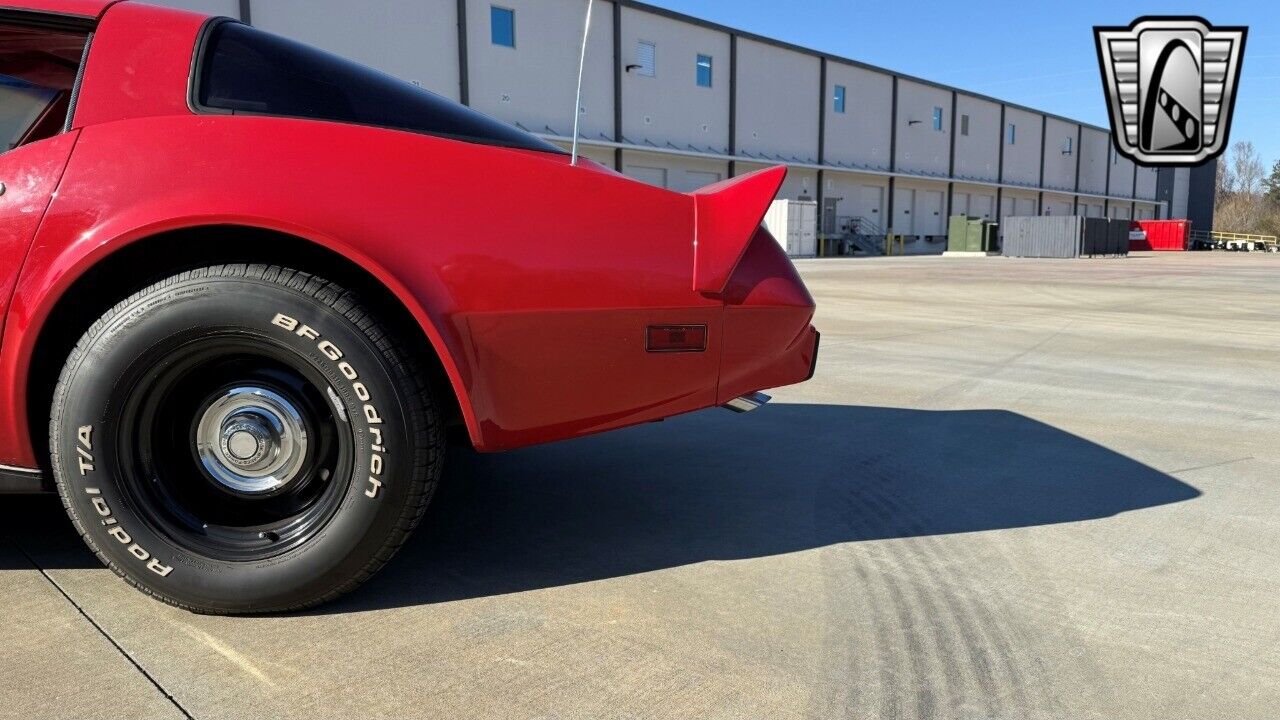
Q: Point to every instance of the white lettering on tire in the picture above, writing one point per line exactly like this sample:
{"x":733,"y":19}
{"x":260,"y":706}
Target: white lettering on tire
{"x":84,"y":449}
{"x":108,"y":519}
{"x":371,"y":415}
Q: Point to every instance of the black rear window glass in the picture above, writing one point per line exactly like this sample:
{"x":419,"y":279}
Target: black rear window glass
{"x":246,"y":70}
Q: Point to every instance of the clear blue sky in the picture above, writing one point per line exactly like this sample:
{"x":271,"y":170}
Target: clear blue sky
{"x":1035,"y":53}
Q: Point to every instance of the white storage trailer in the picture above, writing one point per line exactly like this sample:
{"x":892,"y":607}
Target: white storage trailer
{"x":795,"y":224}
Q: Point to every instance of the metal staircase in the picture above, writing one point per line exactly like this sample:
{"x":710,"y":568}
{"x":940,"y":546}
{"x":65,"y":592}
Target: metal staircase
{"x":867,"y":236}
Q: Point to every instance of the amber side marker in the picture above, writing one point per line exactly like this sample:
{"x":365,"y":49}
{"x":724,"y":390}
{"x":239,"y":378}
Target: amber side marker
{"x":676,"y":338}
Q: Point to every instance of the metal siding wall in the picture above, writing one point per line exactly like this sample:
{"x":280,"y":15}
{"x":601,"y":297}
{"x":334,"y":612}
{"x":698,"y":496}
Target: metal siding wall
{"x":416,"y":40}
{"x":860,"y":135}
{"x":1022,"y":159}
{"x":1201,"y":188}
{"x":1121,"y":177}
{"x":534,"y":83}
{"x":920,"y":148}
{"x":1146,"y":187}
{"x":1060,"y":168}
{"x":1094,"y":149}
{"x":1181,"y":193}
{"x":777,"y":117}
{"x":978,"y":153}
{"x":671,"y":107}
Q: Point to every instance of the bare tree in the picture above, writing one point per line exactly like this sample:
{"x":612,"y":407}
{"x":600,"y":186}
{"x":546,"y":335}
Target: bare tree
{"x":1246,"y":168}
{"x":1241,"y":203}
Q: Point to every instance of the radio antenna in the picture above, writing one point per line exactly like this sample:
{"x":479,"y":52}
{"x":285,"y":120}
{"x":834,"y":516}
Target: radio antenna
{"x":582,"y":67}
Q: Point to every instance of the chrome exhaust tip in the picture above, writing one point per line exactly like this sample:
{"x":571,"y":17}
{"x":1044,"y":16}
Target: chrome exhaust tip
{"x":747,"y":403}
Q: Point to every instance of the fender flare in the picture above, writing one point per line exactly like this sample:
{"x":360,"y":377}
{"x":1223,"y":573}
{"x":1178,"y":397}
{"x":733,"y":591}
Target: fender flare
{"x":75,"y":261}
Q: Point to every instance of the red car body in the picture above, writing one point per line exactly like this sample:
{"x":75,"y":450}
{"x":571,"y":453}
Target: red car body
{"x":534,"y":280}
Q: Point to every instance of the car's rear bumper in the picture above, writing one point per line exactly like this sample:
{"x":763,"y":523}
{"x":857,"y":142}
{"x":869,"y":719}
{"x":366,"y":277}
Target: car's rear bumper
{"x":769,"y":340}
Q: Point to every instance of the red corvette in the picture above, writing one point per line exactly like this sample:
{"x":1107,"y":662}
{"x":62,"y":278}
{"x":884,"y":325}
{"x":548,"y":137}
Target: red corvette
{"x":247,"y":288}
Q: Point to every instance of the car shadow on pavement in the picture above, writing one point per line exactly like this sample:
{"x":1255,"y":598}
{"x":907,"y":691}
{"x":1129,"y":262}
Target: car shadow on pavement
{"x":714,"y":486}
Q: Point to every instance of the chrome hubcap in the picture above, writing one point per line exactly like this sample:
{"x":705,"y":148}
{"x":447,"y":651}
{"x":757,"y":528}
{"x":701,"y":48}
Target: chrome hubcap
{"x":252,"y":440}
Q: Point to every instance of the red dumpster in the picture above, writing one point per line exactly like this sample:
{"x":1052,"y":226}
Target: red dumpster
{"x":1162,"y":235}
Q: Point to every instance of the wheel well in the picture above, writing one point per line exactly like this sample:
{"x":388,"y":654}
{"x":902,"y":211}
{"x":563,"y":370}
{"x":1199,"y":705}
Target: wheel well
{"x":152,"y":259}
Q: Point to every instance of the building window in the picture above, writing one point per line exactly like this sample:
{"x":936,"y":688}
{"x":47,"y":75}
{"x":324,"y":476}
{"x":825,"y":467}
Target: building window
{"x":245,"y":70}
{"x":964,"y":125}
{"x":937,"y":119}
{"x":502,"y":26}
{"x":1012,"y":135}
{"x":839,"y":99}
{"x":1068,"y":147}
{"x":704,"y":71}
{"x":646,"y":59}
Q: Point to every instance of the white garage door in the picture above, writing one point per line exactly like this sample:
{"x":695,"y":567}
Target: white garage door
{"x":868,"y":204}
{"x":1026,"y":206}
{"x":651,"y":175}
{"x":696,"y":180}
{"x":960,"y":204}
{"x":904,"y":201}
{"x":980,"y":206}
{"x":929,"y":219}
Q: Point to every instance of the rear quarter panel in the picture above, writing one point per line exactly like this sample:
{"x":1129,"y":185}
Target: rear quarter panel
{"x":534,"y":279}
{"x":29,"y":175}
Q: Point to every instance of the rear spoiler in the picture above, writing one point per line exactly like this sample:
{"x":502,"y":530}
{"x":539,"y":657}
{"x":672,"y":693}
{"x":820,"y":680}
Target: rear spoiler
{"x":726,"y":217}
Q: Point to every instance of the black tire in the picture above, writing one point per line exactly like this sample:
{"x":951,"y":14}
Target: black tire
{"x":177,"y":388}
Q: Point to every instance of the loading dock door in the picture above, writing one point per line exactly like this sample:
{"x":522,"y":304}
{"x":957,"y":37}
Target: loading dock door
{"x":696,"y":180}
{"x":1057,"y":207}
{"x":960,"y":203}
{"x":1026,"y":207}
{"x":1120,"y":213}
{"x":980,"y":206}
{"x":651,"y":175}
{"x":1093,"y":210}
{"x":904,"y":201}
{"x":928,"y":213}
{"x":869,"y":205}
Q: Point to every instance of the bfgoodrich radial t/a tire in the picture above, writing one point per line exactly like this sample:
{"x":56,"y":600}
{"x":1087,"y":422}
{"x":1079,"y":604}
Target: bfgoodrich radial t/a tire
{"x":241,"y":439}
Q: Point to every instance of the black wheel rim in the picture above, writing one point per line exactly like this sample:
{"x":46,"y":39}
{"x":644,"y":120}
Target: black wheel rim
{"x":170,"y":483}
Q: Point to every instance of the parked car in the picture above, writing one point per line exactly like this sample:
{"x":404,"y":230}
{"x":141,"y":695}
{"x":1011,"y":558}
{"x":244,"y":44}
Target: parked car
{"x":248,"y":289}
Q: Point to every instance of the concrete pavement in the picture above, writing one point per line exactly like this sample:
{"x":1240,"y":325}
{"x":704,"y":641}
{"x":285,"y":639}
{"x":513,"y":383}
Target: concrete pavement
{"x":1015,"y":489}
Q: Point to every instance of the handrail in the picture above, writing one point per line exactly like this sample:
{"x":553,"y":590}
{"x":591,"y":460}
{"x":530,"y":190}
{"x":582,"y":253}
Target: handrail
{"x":1221,"y":235}
{"x":867,"y":227}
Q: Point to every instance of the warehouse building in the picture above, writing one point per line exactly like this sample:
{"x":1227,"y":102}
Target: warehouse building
{"x":680,"y":103}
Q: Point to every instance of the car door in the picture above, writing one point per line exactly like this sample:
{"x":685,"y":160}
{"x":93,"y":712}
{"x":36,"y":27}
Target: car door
{"x":39,"y":61}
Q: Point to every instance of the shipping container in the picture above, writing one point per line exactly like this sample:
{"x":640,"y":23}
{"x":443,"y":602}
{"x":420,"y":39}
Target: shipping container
{"x":1043,"y":236}
{"x":795,"y":225}
{"x":1161,"y":235}
{"x":1065,"y":237}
